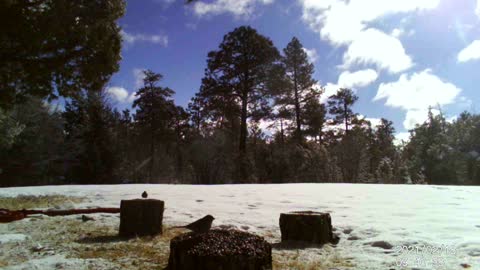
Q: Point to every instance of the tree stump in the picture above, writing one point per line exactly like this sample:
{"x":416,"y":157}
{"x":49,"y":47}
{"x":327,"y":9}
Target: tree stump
{"x":141,"y":217}
{"x":307,"y":226}
{"x":220,"y":250}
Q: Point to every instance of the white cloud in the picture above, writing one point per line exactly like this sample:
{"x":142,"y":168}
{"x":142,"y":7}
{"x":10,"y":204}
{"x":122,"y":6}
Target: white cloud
{"x":359,"y":78}
{"x":477,"y":10}
{"x":239,"y":8}
{"x":139,"y":76}
{"x":312,"y":55}
{"x":330,"y":90}
{"x":348,"y":79}
{"x":131,"y":39}
{"x":375,"y":47}
{"x":416,"y":93}
{"x":346,"y":23}
{"x":374,"y":121}
{"x":131,"y":97}
{"x":401,"y":136}
{"x":120,"y":94}
{"x":340,"y":21}
{"x":471,"y":52}
{"x":414,"y":117}
{"x":397,"y":32}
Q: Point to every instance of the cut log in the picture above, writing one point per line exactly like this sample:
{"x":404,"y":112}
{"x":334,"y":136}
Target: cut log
{"x":141,"y":217}
{"x":307,"y":226}
{"x":13,"y":215}
{"x":218,"y":250}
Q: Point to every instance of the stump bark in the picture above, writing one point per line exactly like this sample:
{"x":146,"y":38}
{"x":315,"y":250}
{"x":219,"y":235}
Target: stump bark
{"x":141,"y":217}
{"x":307,"y":226}
{"x":220,"y":250}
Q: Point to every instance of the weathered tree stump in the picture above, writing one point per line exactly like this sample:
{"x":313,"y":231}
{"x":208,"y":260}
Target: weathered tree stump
{"x":307,"y":226}
{"x":220,"y":250}
{"x":141,"y":217}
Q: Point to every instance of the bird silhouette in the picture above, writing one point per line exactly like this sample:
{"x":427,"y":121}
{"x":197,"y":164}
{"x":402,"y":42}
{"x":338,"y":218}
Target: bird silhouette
{"x":144,"y":195}
{"x":200,"y":226}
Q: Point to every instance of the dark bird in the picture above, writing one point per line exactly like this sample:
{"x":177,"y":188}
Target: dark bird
{"x":86,"y":218}
{"x":144,"y":195}
{"x":200,"y":226}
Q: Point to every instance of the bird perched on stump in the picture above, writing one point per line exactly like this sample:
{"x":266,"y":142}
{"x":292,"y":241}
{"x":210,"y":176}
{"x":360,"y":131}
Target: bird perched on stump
{"x":144,"y":195}
{"x":200,"y":226}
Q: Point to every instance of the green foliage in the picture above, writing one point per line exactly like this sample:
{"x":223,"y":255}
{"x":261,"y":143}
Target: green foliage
{"x":219,"y":138}
{"x":9,"y":130}
{"x":90,"y":153}
{"x":157,"y":117}
{"x":315,"y":116}
{"x":51,"y":48}
{"x":443,"y":152}
{"x":34,"y":150}
{"x":236,"y":76}
{"x":296,"y":90}
{"x":340,"y":106}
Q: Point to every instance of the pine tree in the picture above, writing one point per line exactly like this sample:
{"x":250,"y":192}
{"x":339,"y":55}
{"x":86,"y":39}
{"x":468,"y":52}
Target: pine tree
{"x":298,"y":86}
{"x":44,"y":58}
{"x":236,"y":79}
{"x":340,"y":106}
{"x":89,"y":138}
{"x":315,"y":119}
{"x":155,"y":111}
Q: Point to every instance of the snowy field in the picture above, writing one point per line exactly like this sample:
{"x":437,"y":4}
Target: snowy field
{"x":439,"y":224}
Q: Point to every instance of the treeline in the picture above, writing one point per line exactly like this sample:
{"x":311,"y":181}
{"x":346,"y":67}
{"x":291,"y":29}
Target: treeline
{"x":218,"y":138}
{"x":248,"y":87}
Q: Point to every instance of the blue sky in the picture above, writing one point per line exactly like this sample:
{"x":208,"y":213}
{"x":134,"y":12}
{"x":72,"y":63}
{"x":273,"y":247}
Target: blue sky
{"x":399,"y":56}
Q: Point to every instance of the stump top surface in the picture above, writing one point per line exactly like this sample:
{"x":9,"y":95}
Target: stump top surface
{"x":305,"y":213}
{"x":142,"y":200}
{"x":223,"y":243}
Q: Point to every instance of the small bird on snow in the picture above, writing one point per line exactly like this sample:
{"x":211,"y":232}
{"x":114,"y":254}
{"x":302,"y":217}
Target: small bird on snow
{"x":144,"y":195}
{"x":200,"y":226}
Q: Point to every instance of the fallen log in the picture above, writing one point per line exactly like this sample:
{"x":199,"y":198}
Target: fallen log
{"x":7,"y":216}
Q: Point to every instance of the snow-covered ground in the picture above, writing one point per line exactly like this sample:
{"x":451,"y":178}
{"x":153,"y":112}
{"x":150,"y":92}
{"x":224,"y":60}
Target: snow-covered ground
{"x":414,"y":216}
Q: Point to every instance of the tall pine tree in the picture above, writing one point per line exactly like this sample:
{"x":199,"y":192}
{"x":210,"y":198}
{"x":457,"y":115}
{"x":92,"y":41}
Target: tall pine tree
{"x":155,"y":111}
{"x":298,"y":87}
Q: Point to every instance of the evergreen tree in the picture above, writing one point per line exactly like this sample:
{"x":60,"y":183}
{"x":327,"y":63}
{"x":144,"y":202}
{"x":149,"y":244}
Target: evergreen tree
{"x":155,"y":111}
{"x":44,"y":58}
{"x":340,"y":106}
{"x":299,"y":85}
{"x":237,"y":76}
{"x":315,"y":119}
{"x":32,"y":150}
{"x":89,"y":139}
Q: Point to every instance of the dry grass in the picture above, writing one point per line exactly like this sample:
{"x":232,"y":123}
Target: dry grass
{"x":136,"y":253}
{"x":99,"y":240}
{"x":325,"y":258}
{"x":32,"y":202}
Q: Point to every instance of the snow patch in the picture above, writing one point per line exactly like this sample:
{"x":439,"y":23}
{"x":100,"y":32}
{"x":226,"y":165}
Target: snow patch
{"x":14,"y":237}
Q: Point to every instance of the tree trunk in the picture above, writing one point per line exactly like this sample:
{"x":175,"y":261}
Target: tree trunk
{"x":282,"y":135}
{"x":345,"y":115}
{"x":141,"y":217}
{"x":243,"y":125}
{"x":308,"y":226}
{"x":243,"y":140}
{"x":297,"y":109}
{"x":220,"y":249}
